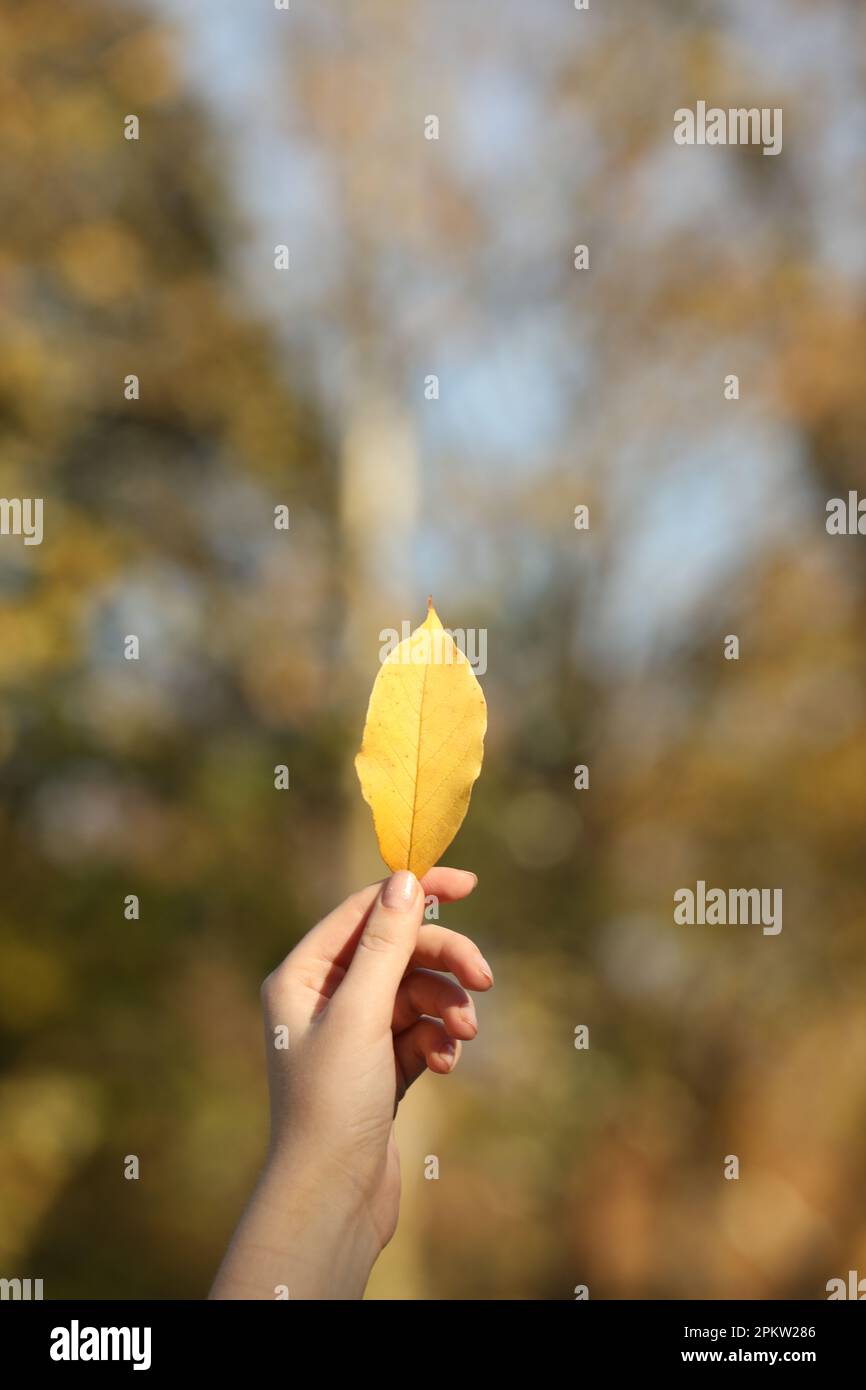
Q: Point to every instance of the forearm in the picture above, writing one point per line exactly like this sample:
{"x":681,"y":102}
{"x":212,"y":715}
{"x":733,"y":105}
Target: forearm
{"x":298,"y":1240}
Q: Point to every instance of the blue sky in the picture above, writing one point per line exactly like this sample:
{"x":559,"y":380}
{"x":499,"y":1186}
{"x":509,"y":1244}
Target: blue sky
{"x":515,"y":363}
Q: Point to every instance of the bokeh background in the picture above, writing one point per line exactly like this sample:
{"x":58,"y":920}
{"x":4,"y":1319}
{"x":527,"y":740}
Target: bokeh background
{"x":409,"y":257}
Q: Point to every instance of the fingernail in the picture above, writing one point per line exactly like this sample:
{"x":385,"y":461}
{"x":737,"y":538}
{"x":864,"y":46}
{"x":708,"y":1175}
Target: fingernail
{"x":400,"y":889}
{"x":448,"y":1051}
{"x":471,"y":1017}
{"x":485,"y":967}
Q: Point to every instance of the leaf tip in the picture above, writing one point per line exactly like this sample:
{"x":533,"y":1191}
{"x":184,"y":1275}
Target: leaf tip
{"x":432,"y":620}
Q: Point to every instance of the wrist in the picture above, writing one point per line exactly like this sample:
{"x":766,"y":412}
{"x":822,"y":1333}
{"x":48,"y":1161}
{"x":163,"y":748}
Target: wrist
{"x":325,"y":1224}
{"x":306,"y":1234}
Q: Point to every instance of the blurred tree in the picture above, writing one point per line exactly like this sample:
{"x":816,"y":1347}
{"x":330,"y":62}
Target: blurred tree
{"x":150,"y":777}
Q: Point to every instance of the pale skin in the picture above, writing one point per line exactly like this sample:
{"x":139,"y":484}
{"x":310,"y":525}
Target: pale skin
{"x":369,"y":1004}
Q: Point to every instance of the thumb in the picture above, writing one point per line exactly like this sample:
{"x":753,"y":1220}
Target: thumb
{"x":383,"y":952}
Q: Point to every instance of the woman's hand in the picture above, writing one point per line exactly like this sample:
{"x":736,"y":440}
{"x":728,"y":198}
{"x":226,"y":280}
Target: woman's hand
{"x":353,"y":1016}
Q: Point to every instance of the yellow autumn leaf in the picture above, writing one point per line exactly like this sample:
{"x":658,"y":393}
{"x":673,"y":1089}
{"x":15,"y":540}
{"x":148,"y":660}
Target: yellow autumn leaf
{"x":422,"y":747}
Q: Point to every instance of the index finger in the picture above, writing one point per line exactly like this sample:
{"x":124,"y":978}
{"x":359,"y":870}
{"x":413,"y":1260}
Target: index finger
{"x":333,"y":940}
